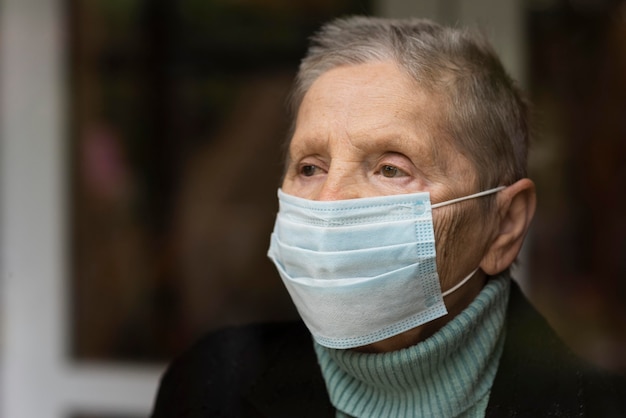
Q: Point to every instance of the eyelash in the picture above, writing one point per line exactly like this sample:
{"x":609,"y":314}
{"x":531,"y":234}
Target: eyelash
{"x":309,"y":170}
{"x":397,"y":172}
{"x":302,"y":170}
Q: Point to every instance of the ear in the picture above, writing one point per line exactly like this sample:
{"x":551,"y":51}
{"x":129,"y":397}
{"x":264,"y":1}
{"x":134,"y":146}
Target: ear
{"x":516,"y":208}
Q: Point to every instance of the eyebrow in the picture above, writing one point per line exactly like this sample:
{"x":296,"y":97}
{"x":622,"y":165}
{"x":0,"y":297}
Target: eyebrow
{"x":418,"y":144}
{"x":425,"y":151}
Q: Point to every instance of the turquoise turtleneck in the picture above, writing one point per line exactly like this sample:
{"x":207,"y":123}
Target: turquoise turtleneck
{"x":447,"y":375}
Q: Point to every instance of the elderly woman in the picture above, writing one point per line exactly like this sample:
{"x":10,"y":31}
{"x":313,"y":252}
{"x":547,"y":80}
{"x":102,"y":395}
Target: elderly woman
{"x":404,"y":203}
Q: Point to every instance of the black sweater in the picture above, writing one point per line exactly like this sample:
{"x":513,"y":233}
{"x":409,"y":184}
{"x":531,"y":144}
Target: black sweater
{"x":270,"y":370}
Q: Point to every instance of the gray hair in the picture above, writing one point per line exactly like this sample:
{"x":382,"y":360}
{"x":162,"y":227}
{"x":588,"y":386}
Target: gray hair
{"x":484,"y":114}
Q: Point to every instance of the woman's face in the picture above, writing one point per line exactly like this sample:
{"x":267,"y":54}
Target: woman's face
{"x":369,"y":130}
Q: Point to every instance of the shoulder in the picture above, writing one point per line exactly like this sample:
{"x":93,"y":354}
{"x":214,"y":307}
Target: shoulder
{"x":225,"y":372}
{"x":539,"y":375}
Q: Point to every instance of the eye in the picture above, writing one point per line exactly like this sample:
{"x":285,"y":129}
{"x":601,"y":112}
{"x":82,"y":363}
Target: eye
{"x":308,"y":170}
{"x":390,"y":171}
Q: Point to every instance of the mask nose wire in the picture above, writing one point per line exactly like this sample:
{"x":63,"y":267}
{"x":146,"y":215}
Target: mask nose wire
{"x":472,"y":196}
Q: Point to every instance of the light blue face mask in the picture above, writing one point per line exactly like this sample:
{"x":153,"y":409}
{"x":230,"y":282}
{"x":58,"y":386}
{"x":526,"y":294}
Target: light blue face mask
{"x":360,"y":270}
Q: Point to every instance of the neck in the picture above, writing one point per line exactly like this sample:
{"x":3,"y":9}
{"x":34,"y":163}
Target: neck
{"x":455,"y":302}
{"x":457,"y":365}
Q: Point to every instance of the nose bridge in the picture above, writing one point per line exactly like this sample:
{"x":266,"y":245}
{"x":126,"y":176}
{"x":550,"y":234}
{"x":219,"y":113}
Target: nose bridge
{"x":341,"y":183}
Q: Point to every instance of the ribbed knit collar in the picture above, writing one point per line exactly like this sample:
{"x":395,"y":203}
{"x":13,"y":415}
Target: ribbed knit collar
{"x":447,"y":375}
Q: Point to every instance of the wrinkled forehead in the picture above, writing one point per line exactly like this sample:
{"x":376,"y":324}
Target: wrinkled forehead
{"x":420,"y":85}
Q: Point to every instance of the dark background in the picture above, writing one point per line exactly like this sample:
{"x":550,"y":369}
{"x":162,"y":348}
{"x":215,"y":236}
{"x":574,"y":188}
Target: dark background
{"x":178,"y":118}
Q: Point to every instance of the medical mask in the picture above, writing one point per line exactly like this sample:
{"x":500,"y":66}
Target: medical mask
{"x":360,"y":270}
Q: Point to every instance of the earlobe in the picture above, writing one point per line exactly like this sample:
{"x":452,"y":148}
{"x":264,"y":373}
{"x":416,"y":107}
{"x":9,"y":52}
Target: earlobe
{"x":516,"y":208}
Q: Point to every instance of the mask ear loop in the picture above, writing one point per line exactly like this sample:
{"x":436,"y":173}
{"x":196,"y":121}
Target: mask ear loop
{"x":459,"y":284}
{"x":460,"y":199}
{"x":472,"y":196}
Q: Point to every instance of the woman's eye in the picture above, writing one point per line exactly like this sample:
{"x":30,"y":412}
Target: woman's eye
{"x":308,"y":170}
{"x":390,"y":171}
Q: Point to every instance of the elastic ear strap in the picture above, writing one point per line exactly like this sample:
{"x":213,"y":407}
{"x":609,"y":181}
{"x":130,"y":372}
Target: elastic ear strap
{"x":459,"y":284}
{"x":472,"y":196}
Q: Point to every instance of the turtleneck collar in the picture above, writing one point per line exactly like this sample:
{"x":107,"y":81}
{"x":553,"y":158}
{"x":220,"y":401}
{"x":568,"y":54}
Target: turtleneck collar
{"x":449,"y":374}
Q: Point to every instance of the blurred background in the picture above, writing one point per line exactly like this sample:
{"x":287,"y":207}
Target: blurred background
{"x":141,"y":153}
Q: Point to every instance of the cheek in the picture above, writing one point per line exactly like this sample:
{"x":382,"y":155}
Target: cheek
{"x":289,"y":186}
{"x":454,"y":243}
{"x":442,"y":222}
{"x":306,"y":188}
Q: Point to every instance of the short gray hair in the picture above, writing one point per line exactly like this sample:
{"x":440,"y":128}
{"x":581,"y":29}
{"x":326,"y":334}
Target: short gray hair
{"x":485,"y":115}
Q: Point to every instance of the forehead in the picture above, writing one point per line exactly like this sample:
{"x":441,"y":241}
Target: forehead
{"x":375,"y":102}
{"x":362,"y":89}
